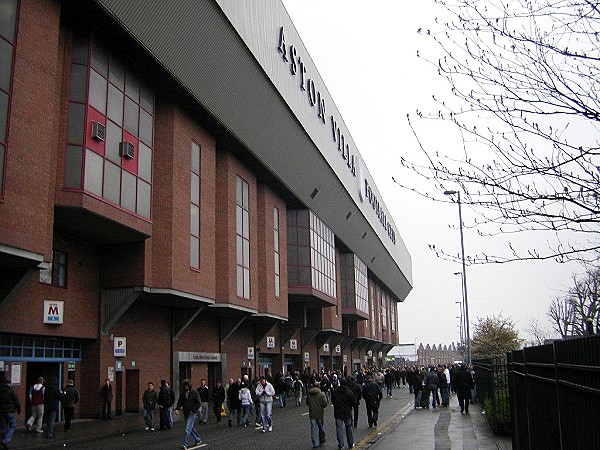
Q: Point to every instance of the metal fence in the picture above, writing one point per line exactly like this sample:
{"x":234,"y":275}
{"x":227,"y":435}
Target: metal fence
{"x":491,"y":383}
{"x":555,"y":395}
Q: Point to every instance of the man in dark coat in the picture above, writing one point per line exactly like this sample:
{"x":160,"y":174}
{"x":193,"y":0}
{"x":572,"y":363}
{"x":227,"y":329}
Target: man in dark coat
{"x":218,"y":397}
{"x":416,"y":382}
{"x":463,"y":383}
{"x":343,"y":401}
{"x":166,"y":400}
{"x":70,"y":399}
{"x":189,"y":401}
{"x":9,"y":405}
{"x":355,"y":389}
{"x":233,"y":401}
{"x":203,"y":391}
{"x":149,"y":400}
{"x":107,"y":396}
{"x":52,"y":398}
{"x":372,"y":395}
{"x":431,"y":386}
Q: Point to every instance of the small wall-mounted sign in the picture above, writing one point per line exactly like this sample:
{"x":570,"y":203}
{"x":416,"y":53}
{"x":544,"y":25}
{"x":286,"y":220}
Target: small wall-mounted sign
{"x":53,"y":312}
{"x":120,"y":346}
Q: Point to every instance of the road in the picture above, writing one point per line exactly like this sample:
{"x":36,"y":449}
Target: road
{"x":291,"y":431}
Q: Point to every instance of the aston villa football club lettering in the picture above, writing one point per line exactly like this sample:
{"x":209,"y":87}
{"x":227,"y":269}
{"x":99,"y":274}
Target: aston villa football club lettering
{"x":290,"y":56}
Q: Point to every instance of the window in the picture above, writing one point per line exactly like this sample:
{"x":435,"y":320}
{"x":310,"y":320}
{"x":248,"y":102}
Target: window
{"x":372,"y":307}
{"x":195,"y":207}
{"x":276,"y":251}
{"x":8,"y":21}
{"x":393,"y":315}
{"x":384,"y":315}
{"x":39,"y":347}
{"x":106,"y":91}
{"x":311,"y":252}
{"x":56,"y":274}
{"x":242,"y":215}
{"x":354,"y":282}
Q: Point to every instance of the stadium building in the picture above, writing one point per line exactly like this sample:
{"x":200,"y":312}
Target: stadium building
{"x":180,"y":197}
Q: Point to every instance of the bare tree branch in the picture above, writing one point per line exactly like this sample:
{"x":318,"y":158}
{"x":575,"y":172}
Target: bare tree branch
{"x":524,"y":80}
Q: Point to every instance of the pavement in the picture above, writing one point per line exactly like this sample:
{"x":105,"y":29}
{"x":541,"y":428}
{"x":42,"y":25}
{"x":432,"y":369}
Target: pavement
{"x":440,"y":429}
{"x":400,"y":426}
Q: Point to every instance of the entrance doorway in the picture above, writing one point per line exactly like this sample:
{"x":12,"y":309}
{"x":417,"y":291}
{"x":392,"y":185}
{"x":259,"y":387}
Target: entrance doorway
{"x":215,"y":373}
{"x":48,"y":370}
{"x":132,"y":391}
{"x":119,"y":393}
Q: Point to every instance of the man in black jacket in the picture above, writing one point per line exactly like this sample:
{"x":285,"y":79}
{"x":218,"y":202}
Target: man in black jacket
{"x":51,"y":399}
{"x":166,"y":400}
{"x":107,"y":396}
{"x":189,"y":401}
{"x":9,"y":405}
{"x":343,"y":401}
{"x":431,"y":386}
{"x":203,"y":391}
{"x":463,"y":383}
{"x":218,"y":397}
{"x":70,"y":399}
{"x":149,"y":400}
{"x":372,"y":395}
{"x":355,"y":389}
{"x":233,"y":401}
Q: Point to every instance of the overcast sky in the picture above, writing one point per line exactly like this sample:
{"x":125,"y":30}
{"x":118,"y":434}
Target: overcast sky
{"x":366,"y":54}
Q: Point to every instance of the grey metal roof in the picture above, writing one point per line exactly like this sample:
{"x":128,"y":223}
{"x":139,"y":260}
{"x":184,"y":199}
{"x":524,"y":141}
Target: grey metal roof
{"x":224,"y":53}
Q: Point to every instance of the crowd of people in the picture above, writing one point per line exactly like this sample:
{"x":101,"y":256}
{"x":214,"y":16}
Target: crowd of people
{"x":241,"y":398}
{"x":45,"y":397}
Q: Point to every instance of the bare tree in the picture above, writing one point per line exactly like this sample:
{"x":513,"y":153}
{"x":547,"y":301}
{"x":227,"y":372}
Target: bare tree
{"x":524,"y":85}
{"x":537,"y":332}
{"x":578,"y":313}
{"x":561,"y":315}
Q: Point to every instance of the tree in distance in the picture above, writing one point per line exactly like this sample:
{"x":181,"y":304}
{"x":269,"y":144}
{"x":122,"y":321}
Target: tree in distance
{"x":494,"y":337}
{"x":578,"y":312}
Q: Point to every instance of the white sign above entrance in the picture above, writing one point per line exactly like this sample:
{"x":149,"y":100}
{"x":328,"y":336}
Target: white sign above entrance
{"x":199,"y":357}
{"x":53,"y":312}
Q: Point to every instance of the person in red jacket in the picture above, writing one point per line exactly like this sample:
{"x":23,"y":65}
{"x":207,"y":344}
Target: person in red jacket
{"x":36,"y":398}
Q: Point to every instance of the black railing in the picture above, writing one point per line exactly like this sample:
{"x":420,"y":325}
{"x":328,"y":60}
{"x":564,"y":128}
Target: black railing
{"x":555,"y":395}
{"x":491,"y":381}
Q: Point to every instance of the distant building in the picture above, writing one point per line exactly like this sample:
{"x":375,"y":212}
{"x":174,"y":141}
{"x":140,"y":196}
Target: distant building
{"x":438,"y":354}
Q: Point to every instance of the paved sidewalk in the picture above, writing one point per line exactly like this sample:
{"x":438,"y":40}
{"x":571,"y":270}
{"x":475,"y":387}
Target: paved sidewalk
{"x":82,"y":430}
{"x":439,"y":429}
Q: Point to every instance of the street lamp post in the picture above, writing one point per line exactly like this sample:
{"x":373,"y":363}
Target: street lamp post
{"x":461,"y":318}
{"x":464,"y":275}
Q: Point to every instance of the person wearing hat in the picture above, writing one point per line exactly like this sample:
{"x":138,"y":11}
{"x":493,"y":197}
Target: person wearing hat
{"x":9,"y":405}
{"x":70,"y":399}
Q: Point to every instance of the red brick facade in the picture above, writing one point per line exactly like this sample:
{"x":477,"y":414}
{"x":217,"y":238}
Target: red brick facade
{"x":130,"y":276}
